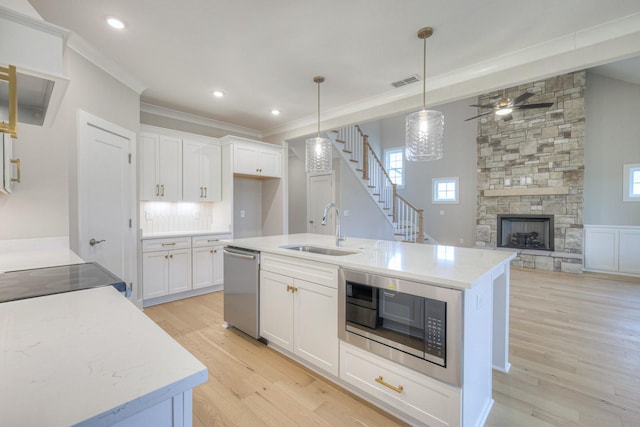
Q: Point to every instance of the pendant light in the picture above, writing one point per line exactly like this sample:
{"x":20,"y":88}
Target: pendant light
{"x":424,"y":128}
{"x":318,"y":150}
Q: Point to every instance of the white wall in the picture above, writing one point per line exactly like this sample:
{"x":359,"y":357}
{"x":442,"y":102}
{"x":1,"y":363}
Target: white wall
{"x":297,"y":196}
{"x":612,"y":139}
{"x":44,"y":204}
{"x":460,"y":159}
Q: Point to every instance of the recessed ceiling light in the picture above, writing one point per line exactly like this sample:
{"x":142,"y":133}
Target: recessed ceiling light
{"x":275,"y":112}
{"x":218,"y":94}
{"x":115,"y":23}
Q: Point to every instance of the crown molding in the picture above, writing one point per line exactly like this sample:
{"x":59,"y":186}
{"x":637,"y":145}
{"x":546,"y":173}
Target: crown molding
{"x":198,"y":120}
{"x":86,"y":50}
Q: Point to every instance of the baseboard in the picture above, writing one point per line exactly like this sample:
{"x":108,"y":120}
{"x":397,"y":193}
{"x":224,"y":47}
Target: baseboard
{"x":181,"y":295}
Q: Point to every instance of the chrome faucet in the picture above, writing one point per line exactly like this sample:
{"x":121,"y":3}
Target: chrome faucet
{"x":339,"y":236}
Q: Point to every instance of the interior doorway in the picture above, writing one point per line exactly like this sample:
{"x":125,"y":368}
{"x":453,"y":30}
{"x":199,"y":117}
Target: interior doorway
{"x":106,"y":196}
{"x":320,"y":192}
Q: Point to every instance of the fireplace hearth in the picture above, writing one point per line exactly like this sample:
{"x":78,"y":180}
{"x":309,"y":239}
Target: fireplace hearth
{"x":525,"y":232}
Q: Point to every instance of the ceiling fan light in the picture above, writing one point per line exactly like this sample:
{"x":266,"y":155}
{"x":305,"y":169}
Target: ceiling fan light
{"x":504,"y":111}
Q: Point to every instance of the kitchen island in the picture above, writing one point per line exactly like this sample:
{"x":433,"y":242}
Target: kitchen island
{"x":301,"y":301}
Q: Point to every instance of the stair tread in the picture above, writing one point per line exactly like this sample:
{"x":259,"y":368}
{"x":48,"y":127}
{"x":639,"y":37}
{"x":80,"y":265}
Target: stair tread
{"x":339,"y":140}
{"x":347,"y":151}
{"x":354,"y":161}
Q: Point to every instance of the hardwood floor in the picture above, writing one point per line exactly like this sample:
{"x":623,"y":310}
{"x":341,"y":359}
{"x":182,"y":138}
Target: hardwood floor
{"x":574,"y":350}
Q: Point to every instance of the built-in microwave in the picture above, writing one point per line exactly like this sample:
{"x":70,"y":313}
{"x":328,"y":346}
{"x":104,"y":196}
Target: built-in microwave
{"x":416,"y":324}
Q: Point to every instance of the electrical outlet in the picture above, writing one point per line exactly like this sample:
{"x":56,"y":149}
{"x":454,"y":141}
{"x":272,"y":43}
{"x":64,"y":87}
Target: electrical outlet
{"x":148,"y":215}
{"x":442,"y":213}
{"x":345,"y":212}
{"x":242,"y":214}
{"x":461,"y":241}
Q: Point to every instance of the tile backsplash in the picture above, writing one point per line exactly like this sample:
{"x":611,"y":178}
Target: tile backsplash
{"x":156,"y":217}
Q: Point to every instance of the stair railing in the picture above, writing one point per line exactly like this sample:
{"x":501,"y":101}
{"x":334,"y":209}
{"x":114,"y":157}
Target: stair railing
{"x":407,"y":219}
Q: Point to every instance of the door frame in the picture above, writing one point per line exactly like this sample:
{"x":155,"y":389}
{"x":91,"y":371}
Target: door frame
{"x":84,"y":120}
{"x":333,"y":186}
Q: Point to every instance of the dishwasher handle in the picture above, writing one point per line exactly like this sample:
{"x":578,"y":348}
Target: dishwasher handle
{"x":239,"y":255}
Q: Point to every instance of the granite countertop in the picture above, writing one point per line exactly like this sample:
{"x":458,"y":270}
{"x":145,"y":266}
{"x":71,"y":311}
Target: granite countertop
{"x":88,"y":356}
{"x":22,"y":254}
{"x":449,"y":266}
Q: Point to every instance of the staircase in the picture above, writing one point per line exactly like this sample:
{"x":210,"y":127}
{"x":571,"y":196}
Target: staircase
{"x":406,"y":219}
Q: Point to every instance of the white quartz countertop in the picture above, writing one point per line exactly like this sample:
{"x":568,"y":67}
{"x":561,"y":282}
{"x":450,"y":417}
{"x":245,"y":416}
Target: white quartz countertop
{"x":170,"y":234}
{"x":23,"y":254}
{"x":88,"y":357}
{"x":437,"y":264}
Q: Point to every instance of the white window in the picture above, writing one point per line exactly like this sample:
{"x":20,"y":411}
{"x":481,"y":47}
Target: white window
{"x":394,"y":163}
{"x":445,"y":190}
{"x":631,"y":184}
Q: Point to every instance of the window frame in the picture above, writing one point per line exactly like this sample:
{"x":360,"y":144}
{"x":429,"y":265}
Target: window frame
{"x":387,"y":152}
{"x":629,"y":170}
{"x":445,"y":180}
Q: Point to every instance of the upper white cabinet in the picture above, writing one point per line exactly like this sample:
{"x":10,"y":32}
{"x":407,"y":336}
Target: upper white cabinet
{"x":201,"y":179}
{"x":612,"y":249}
{"x":257,"y":159}
{"x":160,"y":176}
{"x":9,"y":166}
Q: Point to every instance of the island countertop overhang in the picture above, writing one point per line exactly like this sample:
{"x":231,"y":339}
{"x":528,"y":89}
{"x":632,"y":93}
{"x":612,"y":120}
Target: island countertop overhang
{"x":449,"y":266}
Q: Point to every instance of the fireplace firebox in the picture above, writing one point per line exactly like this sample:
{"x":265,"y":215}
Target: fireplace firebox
{"x":525,"y":232}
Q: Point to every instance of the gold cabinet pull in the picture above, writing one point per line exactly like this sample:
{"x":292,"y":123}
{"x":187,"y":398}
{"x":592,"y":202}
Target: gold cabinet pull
{"x":157,"y":190}
{"x":17,"y":163}
{"x":169,"y":244}
{"x":205,"y":192}
{"x":397,"y":389}
{"x":162,"y":188}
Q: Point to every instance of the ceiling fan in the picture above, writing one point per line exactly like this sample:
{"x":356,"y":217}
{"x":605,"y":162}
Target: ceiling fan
{"x":504,"y":106}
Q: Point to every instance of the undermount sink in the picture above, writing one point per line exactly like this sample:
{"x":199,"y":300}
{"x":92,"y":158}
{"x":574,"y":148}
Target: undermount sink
{"x":319,"y":250}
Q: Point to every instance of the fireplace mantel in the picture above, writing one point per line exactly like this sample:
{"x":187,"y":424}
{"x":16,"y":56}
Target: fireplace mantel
{"x":532,"y":191}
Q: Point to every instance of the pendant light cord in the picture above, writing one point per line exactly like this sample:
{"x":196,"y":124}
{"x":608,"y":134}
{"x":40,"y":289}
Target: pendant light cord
{"x":318,"y":109}
{"x":424,"y":75}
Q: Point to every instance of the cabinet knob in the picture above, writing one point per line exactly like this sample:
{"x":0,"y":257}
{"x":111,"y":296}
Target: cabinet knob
{"x":166,"y":257}
{"x":211,"y":251}
{"x":171,"y":256}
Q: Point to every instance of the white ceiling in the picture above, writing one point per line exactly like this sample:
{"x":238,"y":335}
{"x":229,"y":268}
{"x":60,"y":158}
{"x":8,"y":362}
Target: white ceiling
{"x":264,"y":54}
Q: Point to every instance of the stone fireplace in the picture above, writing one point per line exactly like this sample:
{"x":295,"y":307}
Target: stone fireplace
{"x":533,"y":166}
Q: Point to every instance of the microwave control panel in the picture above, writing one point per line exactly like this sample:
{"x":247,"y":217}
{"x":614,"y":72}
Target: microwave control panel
{"x":435,"y":333}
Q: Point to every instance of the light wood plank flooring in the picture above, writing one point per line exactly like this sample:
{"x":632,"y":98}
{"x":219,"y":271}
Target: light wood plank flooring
{"x":575,"y":354}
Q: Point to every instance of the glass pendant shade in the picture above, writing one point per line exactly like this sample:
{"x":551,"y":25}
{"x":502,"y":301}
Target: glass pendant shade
{"x":318,"y":155}
{"x":424,"y":136}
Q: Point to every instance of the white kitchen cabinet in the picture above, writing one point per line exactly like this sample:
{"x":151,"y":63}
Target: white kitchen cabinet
{"x":161,"y":171}
{"x":429,"y":401}
{"x":299,"y":309}
{"x":202,"y":177}
{"x":207,"y":260}
{"x":257,"y":160}
{"x":612,"y":249}
{"x":9,"y":166}
{"x":166,"y":267}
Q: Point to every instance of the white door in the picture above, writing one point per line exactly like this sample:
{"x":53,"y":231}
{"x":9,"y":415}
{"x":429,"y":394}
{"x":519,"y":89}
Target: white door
{"x":106,"y":196}
{"x":276,"y":309}
{"x":320,"y":193}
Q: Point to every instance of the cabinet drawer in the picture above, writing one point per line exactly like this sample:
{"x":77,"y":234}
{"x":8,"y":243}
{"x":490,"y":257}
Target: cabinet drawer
{"x":421,"y":397}
{"x":152,"y":245}
{"x":209,"y":240}
{"x":316,"y":272}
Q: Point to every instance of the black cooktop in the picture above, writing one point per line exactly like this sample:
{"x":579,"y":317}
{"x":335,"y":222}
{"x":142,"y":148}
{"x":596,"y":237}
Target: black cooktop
{"x":37,"y":282}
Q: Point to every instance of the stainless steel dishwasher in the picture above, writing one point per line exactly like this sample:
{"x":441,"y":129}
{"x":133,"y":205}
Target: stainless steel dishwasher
{"x":241,"y":289}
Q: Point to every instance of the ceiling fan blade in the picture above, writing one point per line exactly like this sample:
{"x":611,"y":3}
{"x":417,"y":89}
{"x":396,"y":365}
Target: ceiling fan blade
{"x":482,"y":105}
{"x":479,"y":115}
{"x":529,"y":106}
{"x":521,"y":98}
{"x":507,"y":118}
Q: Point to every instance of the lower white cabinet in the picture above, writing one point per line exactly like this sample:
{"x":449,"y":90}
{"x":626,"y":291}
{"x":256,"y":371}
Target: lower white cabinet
{"x":207,"y":260}
{"x":166,"y":266}
{"x":612,"y":249}
{"x":298,"y":315}
{"x":429,"y":401}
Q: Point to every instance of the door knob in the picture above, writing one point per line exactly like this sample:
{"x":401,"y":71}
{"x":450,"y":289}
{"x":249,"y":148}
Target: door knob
{"x":94,"y":242}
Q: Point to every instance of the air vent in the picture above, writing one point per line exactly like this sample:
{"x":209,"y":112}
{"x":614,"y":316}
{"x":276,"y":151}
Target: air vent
{"x":411,"y":79}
